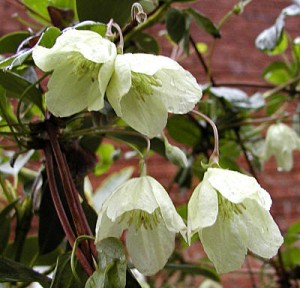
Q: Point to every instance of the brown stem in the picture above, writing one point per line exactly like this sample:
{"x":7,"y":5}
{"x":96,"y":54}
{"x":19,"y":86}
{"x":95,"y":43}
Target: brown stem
{"x":61,"y":212}
{"x":81,"y":225}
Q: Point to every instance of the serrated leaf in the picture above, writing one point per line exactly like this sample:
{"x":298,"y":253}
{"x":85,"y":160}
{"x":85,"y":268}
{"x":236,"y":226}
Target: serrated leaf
{"x":16,"y":86}
{"x":183,"y":130}
{"x":204,"y":22}
{"x":175,"y":23}
{"x":10,"y":42}
{"x":103,"y":10}
{"x":11,"y":271}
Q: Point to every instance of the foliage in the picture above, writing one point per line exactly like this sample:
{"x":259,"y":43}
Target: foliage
{"x":105,"y":87}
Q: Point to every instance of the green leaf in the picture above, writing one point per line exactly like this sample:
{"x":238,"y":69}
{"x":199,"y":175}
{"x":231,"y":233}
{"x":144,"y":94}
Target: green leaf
{"x":100,"y":28}
{"x":6,"y":109}
{"x":11,"y":271}
{"x":277,"y":73}
{"x":38,"y":10}
{"x":49,"y":37}
{"x":106,"y":153}
{"x":175,"y":23}
{"x":203,"y":22}
{"x":63,"y":275}
{"x":274,"y":103}
{"x":10,"y":42}
{"x":112,"y":265}
{"x":183,"y":130}
{"x":104,"y":10}
{"x":281,"y":45}
{"x":16,"y":86}
{"x":145,"y":43}
{"x":291,"y":256}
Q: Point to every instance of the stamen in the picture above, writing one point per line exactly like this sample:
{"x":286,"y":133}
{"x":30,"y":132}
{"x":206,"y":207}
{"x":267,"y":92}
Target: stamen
{"x":227,"y":209}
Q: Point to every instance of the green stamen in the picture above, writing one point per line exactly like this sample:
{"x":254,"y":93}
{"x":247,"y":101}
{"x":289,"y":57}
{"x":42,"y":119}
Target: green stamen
{"x":227,"y":209}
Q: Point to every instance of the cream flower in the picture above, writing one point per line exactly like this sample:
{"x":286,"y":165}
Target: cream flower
{"x":82,"y":63}
{"x":143,"y":208}
{"x":144,"y":88}
{"x":230,"y":212}
{"x":281,"y":140}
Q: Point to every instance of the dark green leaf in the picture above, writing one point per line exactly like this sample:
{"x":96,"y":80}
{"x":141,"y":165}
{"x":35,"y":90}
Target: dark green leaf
{"x":277,"y":73}
{"x":11,"y":271}
{"x":104,"y":10}
{"x":16,"y":86}
{"x":175,"y":23}
{"x":183,"y":130}
{"x":203,"y":22}
{"x":63,"y":275}
{"x":145,"y":43}
{"x":100,"y":28}
{"x":6,"y":109}
{"x":10,"y":42}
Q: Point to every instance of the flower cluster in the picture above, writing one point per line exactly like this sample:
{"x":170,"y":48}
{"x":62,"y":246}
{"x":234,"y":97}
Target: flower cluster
{"x":228,"y":210}
{"x":141,"y":88}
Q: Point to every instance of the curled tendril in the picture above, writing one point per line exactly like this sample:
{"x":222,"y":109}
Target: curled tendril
{"x":109,"y":33}
{"x":137,"y":13}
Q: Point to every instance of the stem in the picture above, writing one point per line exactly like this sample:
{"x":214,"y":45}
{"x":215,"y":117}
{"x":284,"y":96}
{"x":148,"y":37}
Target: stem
{"x":204,"y":65}
{"x":81,"y":225}
{"x":150,"y":21}
{"x":60,"y":210}
{"x":214,"y":157}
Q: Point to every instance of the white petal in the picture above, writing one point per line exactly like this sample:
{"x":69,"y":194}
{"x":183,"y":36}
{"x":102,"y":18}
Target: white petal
{"x":202,"y":208}
{"x":224,"y":243}
{"x":179,"y":91}
{"x":148,"y":115}
{"x":264,"y":235}
{"x":169,"y":214}
{"x":69,"y":93}
{"x":150,"y":249}
{"x":135,"y":194}
{"x":120,"y":84}
{"x":236,"y":187}
{"x":106,"y":228}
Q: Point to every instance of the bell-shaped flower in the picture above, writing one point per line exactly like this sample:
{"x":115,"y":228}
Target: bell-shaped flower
{"x":82,"y":63}
{"x":280,"y":141}
{"x":144,"y":88}
{"x":143,"y":208}
{"x":230,"y":213}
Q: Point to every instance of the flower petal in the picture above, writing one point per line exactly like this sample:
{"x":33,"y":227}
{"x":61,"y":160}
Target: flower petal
{"x":224,"y":243}
{"x":264,"y":235}
{"x":148,"y":115}
{"x":150,"y":249}
{"x":202,"y":207}
{"x":69,"y":93}
{"x":236,"y":187}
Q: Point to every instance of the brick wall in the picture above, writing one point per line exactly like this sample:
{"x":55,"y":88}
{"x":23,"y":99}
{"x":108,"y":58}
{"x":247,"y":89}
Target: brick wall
{"x":236,"y":60}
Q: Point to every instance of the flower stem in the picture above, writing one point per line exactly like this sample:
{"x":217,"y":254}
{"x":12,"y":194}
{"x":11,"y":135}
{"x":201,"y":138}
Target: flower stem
{"x":81,"y":225}
{"x":60,"y":210}
{"x":214,"y":157}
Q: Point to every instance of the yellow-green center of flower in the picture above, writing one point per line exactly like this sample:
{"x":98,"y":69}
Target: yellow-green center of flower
{"x":83,"y":67}
{"x":139,"y":218}
{"x":142,"y":84}
{"x":227,"y":209}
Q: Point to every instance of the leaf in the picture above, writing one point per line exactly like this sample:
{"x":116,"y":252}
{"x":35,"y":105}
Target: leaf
{"x":203,"y":22}
{"x":60,"y":18}
{"x":275,"y":101}
{"x":175,"y":23}
{"x":16,"y":86}
{"x":63,"y":275}
{"x":269,"y":38}
{"x":9,"y":43}
{"x":112,"y":265}
{"x":49,"y":37}
{"x":109,"y":184}
{"x":11,"y":271}
{"x":183,"y":130}
{"x":100,"y":28}
{"x":145,"y":43}
{"x":277,"y":73}
{"x":106,"y":154}
{"x":103,"y":10}
{"x":238,"y":98}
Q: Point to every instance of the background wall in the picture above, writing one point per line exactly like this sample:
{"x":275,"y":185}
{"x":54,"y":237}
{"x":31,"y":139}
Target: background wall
{"x":236,"y":60}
